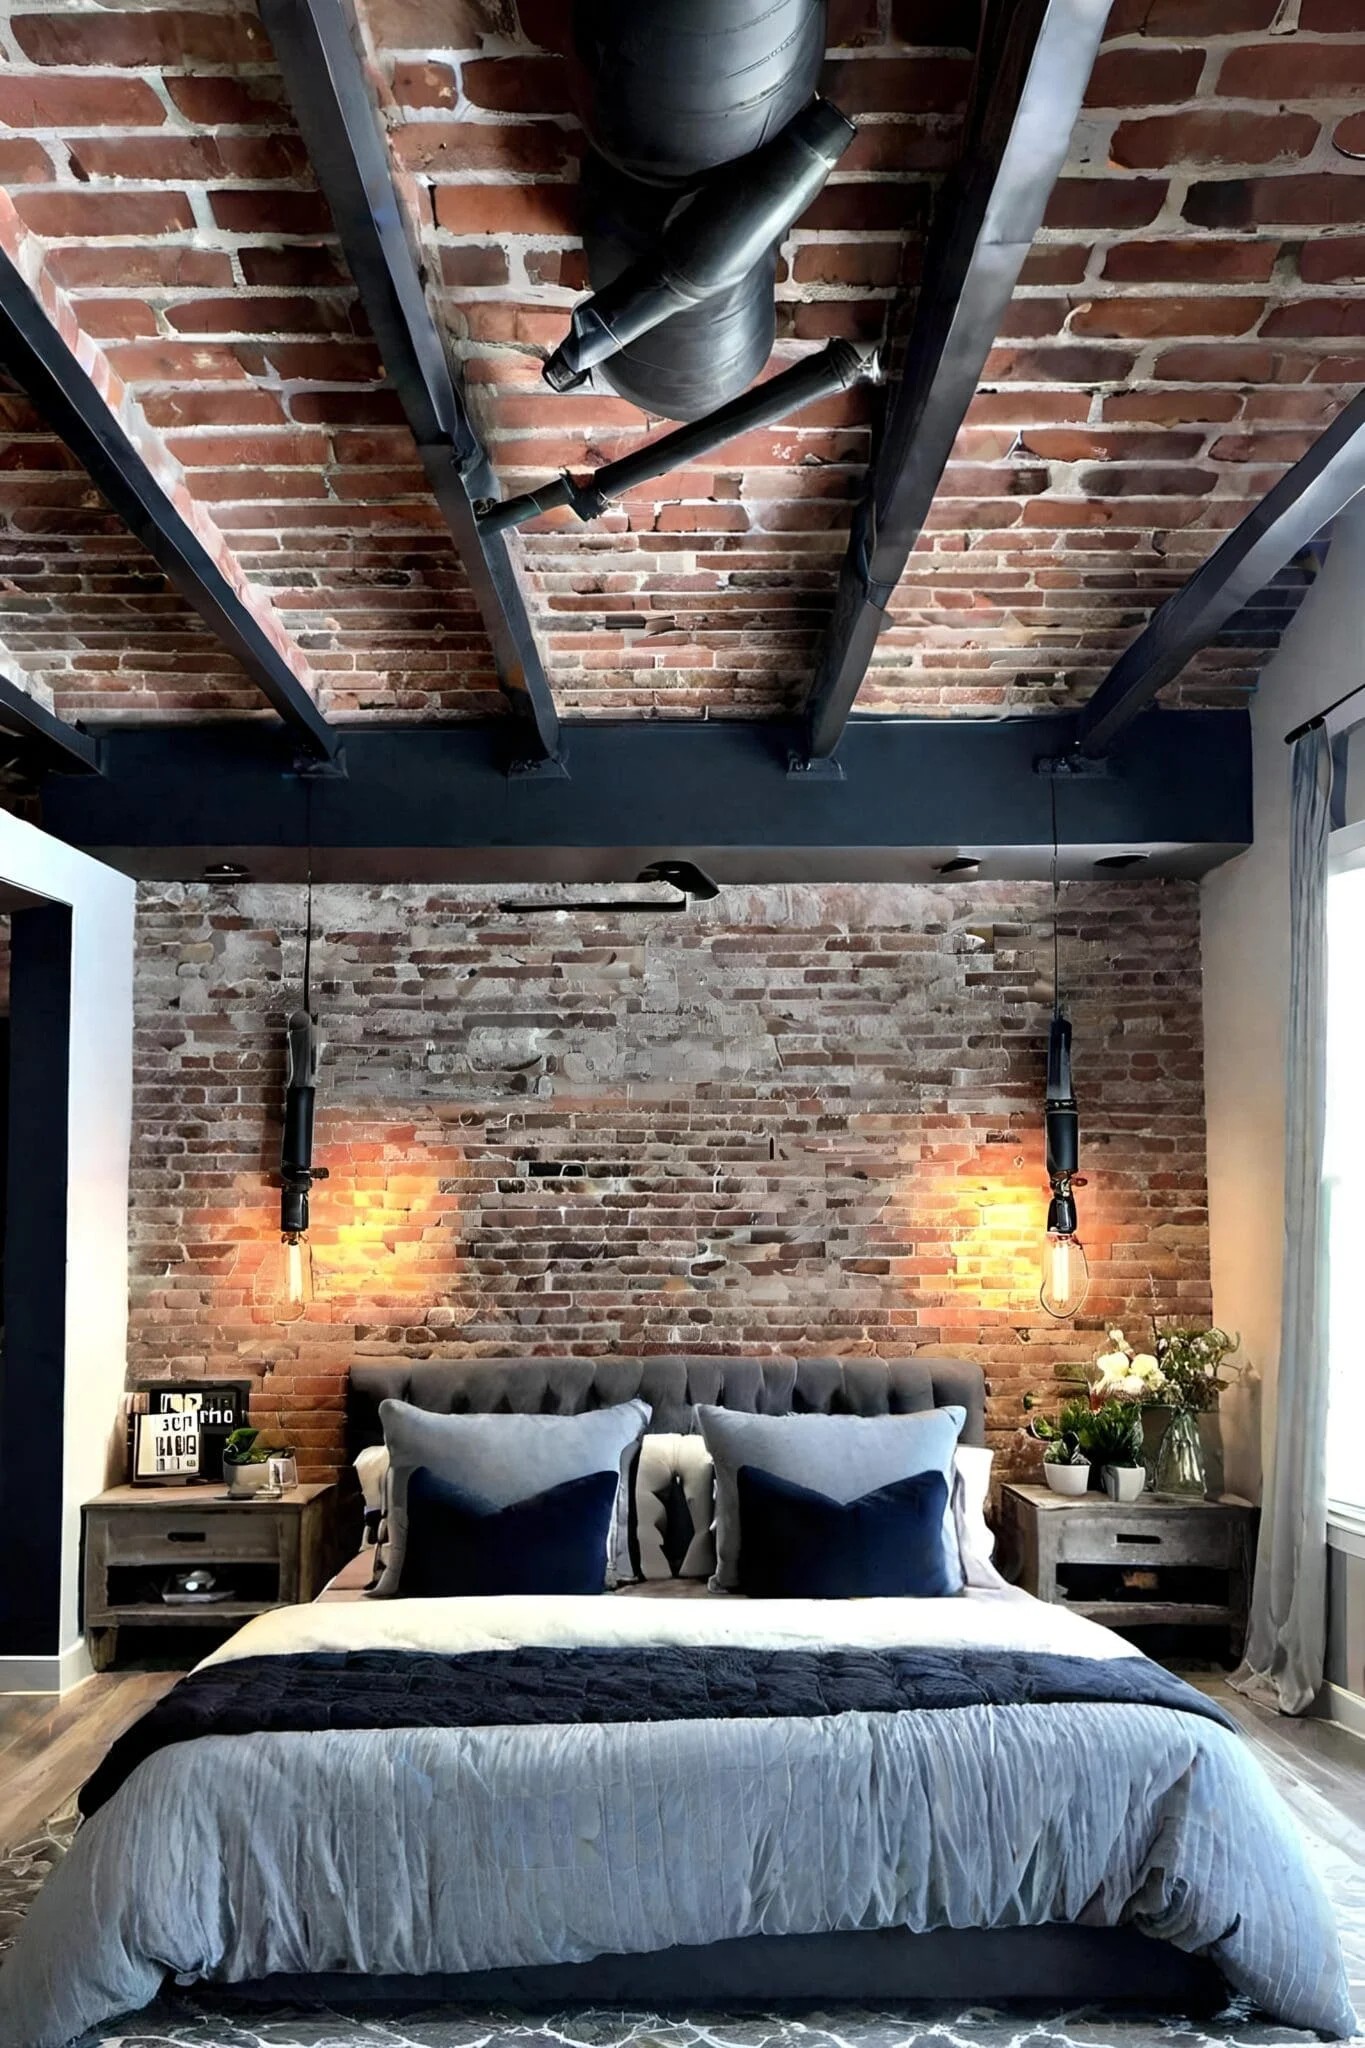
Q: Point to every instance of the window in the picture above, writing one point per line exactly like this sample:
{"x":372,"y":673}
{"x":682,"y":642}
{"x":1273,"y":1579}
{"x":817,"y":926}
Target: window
{"x":1344,"y":1171}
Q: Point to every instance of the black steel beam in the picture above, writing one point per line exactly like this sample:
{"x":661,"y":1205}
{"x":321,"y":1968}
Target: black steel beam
{"x":1307,"y":496}
{"x":325,"y":79}
{"x":39,"y":361}
{"x":434,"y":804}
{"x":58,"y":743}
{"x":1030,"y":78}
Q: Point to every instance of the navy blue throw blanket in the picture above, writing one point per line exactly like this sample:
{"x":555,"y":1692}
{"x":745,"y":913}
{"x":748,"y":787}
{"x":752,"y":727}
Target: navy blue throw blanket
{"x":367,"y":1689}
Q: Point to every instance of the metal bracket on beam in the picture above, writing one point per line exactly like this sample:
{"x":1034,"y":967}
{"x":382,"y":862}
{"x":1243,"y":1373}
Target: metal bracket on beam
{"x":1074,"y":767}
{"x":313,"y":770}
{"x":814,"y":767}
{"x":538,"y":768}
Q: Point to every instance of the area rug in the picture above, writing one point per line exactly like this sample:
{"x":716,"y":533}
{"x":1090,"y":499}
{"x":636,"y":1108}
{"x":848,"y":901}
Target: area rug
{"x":184,"y":2020}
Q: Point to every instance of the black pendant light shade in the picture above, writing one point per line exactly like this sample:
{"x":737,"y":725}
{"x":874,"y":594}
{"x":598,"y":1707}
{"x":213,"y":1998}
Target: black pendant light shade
{"x":1066,"y":1274}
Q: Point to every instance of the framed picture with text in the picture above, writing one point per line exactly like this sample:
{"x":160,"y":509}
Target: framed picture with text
{"x":166,"y":1450}
{"x":187,"y":1423}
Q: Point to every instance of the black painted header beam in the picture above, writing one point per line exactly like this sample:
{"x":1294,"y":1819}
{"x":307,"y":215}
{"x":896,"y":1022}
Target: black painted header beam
{"x":434,"y":803}
{"x":1030,"y":79}
{"x":58,"y":743}
{"x":326,"y":83}
{"x":1320,"y":484}
{"x":38,"y":359}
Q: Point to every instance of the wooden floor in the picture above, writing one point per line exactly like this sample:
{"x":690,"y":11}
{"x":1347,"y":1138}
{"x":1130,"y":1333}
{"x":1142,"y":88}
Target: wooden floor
{"x":49,"y":1747}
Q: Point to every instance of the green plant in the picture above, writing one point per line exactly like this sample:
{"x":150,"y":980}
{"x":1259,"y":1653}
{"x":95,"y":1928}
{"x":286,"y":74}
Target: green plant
{"x":243,"y":1448}
{"x":1061,"y":1446}
{"x":1112,"y":1435}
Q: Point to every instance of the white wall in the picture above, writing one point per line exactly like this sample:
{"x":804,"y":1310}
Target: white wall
{"x":100,"y":1123}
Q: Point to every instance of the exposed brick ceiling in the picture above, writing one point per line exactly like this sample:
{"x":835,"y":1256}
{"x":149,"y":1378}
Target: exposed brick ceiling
{"x":1191,"y":316}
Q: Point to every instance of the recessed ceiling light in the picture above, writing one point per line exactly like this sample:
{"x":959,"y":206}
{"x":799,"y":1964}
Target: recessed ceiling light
{"x":225,"y":871}
{"x":1121,"y":860}
{"x":960,"y":864}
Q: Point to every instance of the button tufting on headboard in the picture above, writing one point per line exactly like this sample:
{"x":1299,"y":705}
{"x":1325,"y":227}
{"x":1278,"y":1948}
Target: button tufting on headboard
{"x":672,"y":1385}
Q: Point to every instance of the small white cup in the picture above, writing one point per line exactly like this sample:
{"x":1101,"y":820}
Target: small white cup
{"x":284,"y":1471}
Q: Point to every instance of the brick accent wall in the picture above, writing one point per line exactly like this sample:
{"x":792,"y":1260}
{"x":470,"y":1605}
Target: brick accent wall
{"x":792,"y":1121}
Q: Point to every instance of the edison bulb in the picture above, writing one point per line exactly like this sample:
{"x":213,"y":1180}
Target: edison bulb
{"x":1066,"y":1275}
{"x":295,"y":1287}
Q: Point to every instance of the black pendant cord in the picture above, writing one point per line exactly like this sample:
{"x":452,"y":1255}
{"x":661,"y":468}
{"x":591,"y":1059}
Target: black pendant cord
{"x":308,"y":919}
{"x":1056,"y":902}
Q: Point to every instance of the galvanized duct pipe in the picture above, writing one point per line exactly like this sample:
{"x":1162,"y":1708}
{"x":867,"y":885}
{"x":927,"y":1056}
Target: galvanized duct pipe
{"x":672,"y":93}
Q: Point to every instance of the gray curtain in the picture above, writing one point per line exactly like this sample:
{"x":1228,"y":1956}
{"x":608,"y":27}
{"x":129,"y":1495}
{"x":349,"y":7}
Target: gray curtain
{"x":1283,"y":1662}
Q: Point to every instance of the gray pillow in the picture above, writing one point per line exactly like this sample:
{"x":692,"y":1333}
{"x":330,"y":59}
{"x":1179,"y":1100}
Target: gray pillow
{"x":842,"y":1456}
{"x":500,"y":1458}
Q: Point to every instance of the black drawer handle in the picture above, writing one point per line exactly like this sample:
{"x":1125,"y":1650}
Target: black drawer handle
{"x":187,"y":1535}
{"x":1135,"y":1537}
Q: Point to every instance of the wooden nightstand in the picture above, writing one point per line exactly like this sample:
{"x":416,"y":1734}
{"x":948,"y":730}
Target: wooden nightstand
{"x":1158,"y":1562}
{"x":271,"y":1553}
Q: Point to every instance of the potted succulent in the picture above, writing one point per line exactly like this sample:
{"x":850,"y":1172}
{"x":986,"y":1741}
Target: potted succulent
{"x":1112,"y":1439}
{"x":1066,"y":1464}
{"x":246,"y":1466}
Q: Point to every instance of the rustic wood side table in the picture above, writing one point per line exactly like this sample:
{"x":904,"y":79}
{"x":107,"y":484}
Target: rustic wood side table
{"x":1158,"y":1561}
{"x":268,"y":1553}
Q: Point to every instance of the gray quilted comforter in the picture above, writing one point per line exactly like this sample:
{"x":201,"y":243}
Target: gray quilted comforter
{"x":418,"y":1850}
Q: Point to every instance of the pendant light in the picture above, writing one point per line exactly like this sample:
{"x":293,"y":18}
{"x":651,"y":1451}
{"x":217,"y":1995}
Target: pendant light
{"x":1066,"y":1272}
{"x":293,"y":1289}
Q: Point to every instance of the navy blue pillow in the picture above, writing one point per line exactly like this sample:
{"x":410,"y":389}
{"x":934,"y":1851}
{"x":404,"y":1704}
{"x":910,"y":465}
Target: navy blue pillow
{"x":796,"y":1544}
{"x":555,"y":1542}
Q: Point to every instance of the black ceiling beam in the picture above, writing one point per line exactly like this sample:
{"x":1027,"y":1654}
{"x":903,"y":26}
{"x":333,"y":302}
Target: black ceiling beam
{"x":325,"y":79}
{"x":42,"y":365}
{"x":1318,"y":486}
{"x":435,"y":804}
{"x":55,"y":742}
{"x":1031,"y":73}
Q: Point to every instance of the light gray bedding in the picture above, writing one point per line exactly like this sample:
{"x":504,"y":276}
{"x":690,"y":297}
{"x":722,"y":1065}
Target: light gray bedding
{"x":417,"y":1851}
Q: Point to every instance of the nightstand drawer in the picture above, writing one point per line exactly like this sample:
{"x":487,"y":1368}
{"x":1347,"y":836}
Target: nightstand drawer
{"x":1110,"y":1537}
{"x":182,"y":1537}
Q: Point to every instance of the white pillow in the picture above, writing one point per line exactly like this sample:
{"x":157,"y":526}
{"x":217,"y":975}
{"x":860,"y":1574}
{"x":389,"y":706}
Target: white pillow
{"x":666,"y":1461}
{"x":971,"y":1487}
{"x":372,"y":1470}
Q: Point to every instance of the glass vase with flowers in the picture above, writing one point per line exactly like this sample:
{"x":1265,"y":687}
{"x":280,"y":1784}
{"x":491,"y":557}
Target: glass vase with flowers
{"x":1181,"y":1378}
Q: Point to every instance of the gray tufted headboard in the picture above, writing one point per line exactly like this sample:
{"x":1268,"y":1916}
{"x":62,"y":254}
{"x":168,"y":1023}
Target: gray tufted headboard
{"x":672,"y":1385}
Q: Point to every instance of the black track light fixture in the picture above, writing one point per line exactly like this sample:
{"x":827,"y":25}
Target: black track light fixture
{"x":692,"y":883}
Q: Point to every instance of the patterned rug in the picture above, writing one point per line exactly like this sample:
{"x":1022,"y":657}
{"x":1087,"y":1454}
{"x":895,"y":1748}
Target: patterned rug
{"x":182,"y":2020}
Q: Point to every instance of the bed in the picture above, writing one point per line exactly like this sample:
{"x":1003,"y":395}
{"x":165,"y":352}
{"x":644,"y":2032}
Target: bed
{"x":681,"y":1797}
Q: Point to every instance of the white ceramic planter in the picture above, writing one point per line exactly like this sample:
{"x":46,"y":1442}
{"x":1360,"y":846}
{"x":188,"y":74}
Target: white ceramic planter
{"x":1072,"y":1479}
{"x":244,"y":1480}
{"x":1124,"y":1482}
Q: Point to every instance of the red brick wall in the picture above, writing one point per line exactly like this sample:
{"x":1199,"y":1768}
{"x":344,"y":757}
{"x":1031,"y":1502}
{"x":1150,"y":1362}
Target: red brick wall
{"x":796,"y":1120}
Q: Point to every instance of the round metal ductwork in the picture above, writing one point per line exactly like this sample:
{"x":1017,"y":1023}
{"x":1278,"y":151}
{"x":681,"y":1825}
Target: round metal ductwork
{"x":667,"y":89}
{"x":673,"y":94}
{"x":698,"y":359}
